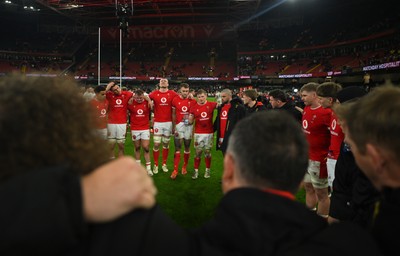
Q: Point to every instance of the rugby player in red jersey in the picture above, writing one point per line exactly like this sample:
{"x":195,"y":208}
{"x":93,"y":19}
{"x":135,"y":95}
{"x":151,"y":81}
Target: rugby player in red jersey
{"x":181,"y":127}
{"x":117,"y":116}
{"x":100,"y":106}
{"x":316,"y":122}
{"x":140,"y":127}
{"x":162,"y":108}
{"x":327,"y":95}
{"x":202,"y":114}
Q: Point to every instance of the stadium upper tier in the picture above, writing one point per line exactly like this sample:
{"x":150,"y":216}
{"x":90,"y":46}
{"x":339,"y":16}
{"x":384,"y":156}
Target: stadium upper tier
{"x":308,"y":41}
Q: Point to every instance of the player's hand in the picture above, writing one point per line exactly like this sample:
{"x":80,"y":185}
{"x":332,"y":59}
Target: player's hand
{"x":109,"y":85}
{"x":130,"y":101}
{"x":116,"y":188}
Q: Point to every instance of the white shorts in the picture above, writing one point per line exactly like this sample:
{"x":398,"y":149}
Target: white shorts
{"x":116,"y":131}
{"x":330,"y":165}
{"x":140,"y":135}
{"x":203,"y":140}
{"x":312,"y":175}
{"x":162,"y":128}
{"x":102,"y":133}
{"x":183,"y":131}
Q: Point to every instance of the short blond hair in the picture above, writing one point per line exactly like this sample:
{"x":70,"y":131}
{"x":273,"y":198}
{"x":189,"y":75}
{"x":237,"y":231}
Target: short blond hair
{"x":309,"y":87}
{"x":252,"y":94}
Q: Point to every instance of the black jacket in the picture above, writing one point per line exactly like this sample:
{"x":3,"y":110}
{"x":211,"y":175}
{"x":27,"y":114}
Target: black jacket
{"x":235,"y":114}
{"x":353,"y":195}
{"x":291,"y":109}
{"x":343,"y":238}
{"x":252,"y":222}
{"x":386,"y":224}
{"x":259,"y":106}
{"x":41,"y":214}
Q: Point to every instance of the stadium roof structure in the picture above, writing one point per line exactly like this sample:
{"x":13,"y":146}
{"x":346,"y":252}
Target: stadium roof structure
{"x":148,"y":12}
{"x":158,"y":11}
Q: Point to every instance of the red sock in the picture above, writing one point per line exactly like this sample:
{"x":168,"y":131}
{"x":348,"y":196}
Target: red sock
{"x":165,"y":152}
{"x":196,"y":162}
{"x":156,"y":154}
{"x":186,"y":156}
{"x":208,"y":162}
{"x":177,"y":159}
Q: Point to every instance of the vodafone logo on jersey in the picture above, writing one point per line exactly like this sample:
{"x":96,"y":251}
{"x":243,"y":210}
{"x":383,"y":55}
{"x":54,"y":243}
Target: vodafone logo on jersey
{"x":118,"y":101}
{"x":203,"y":114}
{"x":305,"y":124}
{"x":224,"y":113}
{"x":163,"y":100}
{"x":139,"y":111}
{"x":184,"y":109}
{"x":333,"y":125}
{"x":103,"y":111}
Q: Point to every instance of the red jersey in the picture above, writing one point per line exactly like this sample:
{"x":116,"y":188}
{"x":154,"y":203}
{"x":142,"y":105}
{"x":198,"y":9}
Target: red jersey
{"x":182,"y":107}
{"x":118,"y":109}
{"x":139,"y":115}
{"x":100,"y":112}
{"x":203,"y":116}
{"x":223,"y":119}
{"x":316,"y":124}
{"x":163,"y":105}
{"x":337,"y":137}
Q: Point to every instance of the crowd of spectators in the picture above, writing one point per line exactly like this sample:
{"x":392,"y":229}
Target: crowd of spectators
{"x":33,"y":63}
{"x":357,"y":55}
{"x":42,"y":52}
{"x":162,"y":59}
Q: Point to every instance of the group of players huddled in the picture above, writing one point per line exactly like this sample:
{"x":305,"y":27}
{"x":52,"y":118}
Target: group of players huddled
{"x":169,"y":112}
{"x":187,"y":114}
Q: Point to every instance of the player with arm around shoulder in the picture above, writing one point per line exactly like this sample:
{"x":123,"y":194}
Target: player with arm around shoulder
{"x":117,"y":116}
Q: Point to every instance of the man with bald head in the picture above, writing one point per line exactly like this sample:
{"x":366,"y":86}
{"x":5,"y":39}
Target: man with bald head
{"x":229,"y":113}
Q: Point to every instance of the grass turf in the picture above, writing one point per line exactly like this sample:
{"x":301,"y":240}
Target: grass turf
{"x":189,"y":202}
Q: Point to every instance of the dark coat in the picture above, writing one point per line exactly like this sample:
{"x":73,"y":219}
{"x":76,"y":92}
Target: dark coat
{"x":353,"y":195}
{"x":252,"y":222}
{"x":291,"y":109}
{"x":259,"y":106}
{"x":386,"y":224}
{"x":41,"y":214}
{"x":141,"y":232}
{"x":235,"y":114}
{"x":345,"y":239}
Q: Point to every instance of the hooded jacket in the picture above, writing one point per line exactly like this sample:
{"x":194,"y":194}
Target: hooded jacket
{"x":235,"y":113}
